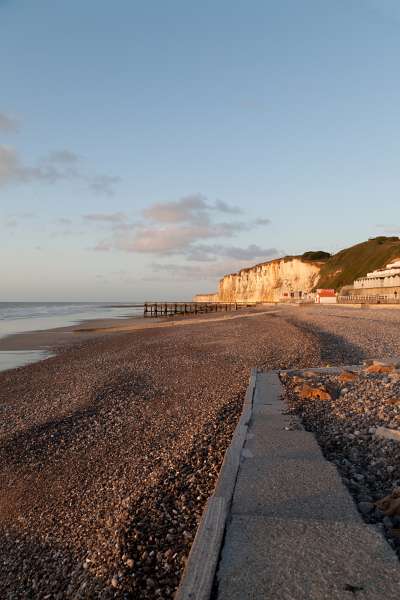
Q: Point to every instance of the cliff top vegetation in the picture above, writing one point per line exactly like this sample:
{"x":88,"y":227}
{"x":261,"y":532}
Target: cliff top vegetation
{"x":347,"y":265}
{"x":317,"y":255}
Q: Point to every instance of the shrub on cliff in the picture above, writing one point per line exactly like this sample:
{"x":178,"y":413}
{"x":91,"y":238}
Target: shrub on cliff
{"x":316,"y":255}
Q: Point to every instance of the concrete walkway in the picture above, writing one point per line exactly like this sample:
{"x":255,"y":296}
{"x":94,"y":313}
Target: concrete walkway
{"x":293,"y":531}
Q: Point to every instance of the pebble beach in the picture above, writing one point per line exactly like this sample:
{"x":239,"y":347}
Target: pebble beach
{"x":110,"y":449}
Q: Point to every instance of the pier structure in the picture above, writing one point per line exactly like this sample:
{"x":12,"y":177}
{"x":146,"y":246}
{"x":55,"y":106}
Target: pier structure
{"x":169,"y":309}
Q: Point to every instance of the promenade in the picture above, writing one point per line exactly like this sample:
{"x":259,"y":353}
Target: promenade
{"x":291,"y":528}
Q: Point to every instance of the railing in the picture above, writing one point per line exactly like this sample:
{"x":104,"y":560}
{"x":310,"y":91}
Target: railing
{"x":368,"y":299}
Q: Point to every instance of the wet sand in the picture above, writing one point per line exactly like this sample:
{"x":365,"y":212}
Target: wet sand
{"x":110,"y":449}
{"x":52,"y":339}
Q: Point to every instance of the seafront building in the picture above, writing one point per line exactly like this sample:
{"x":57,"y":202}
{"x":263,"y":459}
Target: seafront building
{"x":381,"y":282}
{"x":325,"y":296}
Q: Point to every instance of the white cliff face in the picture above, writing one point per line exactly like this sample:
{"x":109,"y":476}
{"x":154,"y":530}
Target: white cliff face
{"x":270,"y":281}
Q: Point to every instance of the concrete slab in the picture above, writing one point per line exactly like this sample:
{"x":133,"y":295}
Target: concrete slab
{"x":276,"y":441}
{"x":268,"y":389}
{"x":293,"y":559}
{"x":270,"y":410}
{"x":292,"y":488}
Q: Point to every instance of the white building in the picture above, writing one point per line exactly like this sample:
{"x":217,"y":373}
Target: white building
{"x":388,"y":277}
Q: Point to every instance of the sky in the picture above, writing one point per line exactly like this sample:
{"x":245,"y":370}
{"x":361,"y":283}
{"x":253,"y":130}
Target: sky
{"x":148,"y":148}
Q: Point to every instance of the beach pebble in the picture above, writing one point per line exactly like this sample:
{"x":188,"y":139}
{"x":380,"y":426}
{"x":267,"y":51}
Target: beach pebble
{"x":365,"y":507}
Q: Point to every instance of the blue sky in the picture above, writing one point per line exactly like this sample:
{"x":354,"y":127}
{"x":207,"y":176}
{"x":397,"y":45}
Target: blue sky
{"x":146,"y":148}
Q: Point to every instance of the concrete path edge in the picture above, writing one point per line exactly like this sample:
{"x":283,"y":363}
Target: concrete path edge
{"x":198,"y":577}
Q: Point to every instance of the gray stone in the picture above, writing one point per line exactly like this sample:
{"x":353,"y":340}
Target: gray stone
{"x":379,"y":514}
{"x":365,"y":508}
{"x":387,"y":522}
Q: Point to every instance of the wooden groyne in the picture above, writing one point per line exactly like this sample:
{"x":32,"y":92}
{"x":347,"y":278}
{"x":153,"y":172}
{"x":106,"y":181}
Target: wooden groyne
{"x":169,"y":309}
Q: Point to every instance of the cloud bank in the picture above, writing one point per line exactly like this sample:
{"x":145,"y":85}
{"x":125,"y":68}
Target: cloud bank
{"x":60,"y":165}
{"x":181,"y":229}
{"x":178,"y":227}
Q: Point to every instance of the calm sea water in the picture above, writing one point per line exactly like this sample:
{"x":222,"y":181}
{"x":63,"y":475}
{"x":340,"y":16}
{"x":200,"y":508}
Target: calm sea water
{"x":21,"y":317}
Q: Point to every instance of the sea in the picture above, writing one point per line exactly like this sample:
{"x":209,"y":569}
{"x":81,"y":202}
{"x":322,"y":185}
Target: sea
{"x":23,"y":317}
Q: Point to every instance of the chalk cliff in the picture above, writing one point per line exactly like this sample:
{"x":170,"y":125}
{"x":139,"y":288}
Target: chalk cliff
{"x":277,"y":279}
{"x":270,"y":281}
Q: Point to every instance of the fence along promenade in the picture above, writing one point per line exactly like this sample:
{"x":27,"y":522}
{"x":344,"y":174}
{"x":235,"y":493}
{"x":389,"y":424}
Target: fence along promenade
{"x":376,"y":299}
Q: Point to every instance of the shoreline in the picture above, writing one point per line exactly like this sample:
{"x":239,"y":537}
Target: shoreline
{"x":31,"y":332}
{"x":61,"y":337}
{"x":55,"y":338}
{"x":24,"y":348}
{"x":28,"y":347}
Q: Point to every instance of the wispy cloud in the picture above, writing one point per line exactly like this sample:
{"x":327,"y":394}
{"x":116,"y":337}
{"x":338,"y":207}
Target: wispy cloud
{"x":14,"y":220}
{"x":386,"y":228}
{"x":8,"y":124}
{"x":115,"y":217}
{"x":10,"y":223}
{"x":64,"y":221}
{"x":174,"y":239}
{"x":222,"y":206}
{"x":103,"y":184}
{"x":103,"y":246}
{"x":63,"y":156}
{"x":193,"y":209}
{"x":204,"y":253}
{"x":179,"y":228}
{"x":185,"y":272}
{"x":60,"y":165}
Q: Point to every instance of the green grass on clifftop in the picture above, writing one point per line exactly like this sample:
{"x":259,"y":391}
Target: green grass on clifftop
{"x":349,"y":264}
